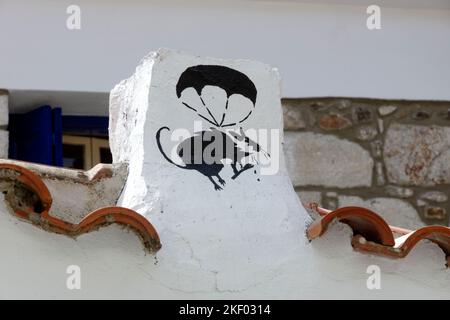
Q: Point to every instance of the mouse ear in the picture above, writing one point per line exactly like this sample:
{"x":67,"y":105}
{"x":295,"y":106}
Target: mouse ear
{"x":237,"y":135}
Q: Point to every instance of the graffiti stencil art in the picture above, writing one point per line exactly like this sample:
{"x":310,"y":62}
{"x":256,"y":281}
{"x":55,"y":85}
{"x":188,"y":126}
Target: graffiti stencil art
{"x":224,"y":98}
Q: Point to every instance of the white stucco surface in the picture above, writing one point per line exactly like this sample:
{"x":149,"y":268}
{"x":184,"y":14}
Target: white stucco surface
{"x":113,"y":265}
{"x":184,"y":206}
{"x":245,"y":241}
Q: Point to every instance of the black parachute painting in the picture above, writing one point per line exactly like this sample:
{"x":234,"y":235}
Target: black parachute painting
{"x":232,"y":95}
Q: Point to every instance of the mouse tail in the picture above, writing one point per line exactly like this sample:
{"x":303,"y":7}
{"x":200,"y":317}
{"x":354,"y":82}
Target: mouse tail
{"x":158,"y":141}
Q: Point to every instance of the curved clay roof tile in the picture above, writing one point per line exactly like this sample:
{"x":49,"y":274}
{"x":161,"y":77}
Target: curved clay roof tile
{"x":373,"y":235}
{"x":36,"y":210}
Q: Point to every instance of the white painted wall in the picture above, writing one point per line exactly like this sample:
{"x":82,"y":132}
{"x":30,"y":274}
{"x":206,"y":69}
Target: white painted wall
{"x":321,"y":48}
{"x":114,"y":265}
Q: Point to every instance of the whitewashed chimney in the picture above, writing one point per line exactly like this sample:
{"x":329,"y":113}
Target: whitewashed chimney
{"x":231,"y":234}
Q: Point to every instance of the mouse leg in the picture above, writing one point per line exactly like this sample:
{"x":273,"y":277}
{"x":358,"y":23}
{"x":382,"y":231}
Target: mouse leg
{"x":245,"y":168}
{"x":235,"y":170}
{"x":216,"y":186}
{"x":221,"y":181}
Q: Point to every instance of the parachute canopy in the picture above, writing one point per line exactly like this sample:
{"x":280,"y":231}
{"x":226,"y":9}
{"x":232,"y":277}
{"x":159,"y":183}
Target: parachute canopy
{"x":220,"y":95}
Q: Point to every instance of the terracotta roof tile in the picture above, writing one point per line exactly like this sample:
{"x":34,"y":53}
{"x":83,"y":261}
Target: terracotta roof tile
{"x":372,"y":234}
{"x":31,"y":200}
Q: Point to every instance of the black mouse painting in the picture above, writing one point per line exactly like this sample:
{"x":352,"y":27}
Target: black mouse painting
{"x":225,"y":98}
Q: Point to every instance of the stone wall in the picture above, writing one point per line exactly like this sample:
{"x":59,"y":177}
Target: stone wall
{"x":3,"y":124}
{"x":390,"y":156}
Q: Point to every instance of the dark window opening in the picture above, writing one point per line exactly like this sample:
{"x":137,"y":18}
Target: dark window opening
{"x":73,"y":156}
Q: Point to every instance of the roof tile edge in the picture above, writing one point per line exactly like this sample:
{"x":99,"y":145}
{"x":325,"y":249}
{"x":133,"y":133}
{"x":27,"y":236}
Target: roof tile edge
{"x":372,"y":234}
{"x":36,"y":209}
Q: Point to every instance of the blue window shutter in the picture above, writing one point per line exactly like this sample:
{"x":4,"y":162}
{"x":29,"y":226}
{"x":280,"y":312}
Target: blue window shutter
{"x":36,"y":136}
{"x":57,"y":138}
